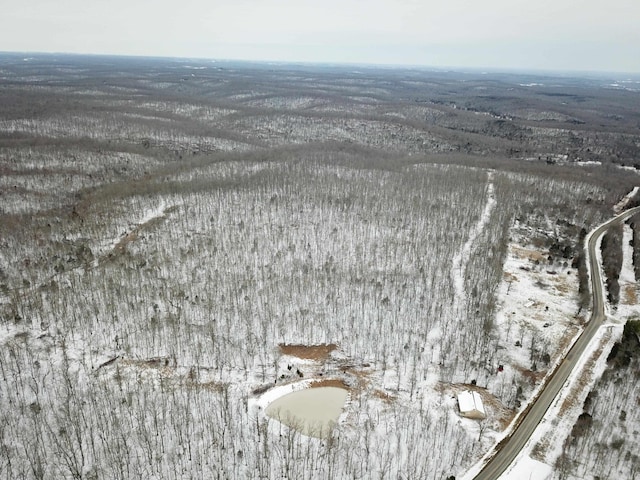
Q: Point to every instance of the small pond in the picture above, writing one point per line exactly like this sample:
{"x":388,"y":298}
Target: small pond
{"x":312,"y":411}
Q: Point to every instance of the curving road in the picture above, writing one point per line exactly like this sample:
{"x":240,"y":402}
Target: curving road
{"x":510,"y":447}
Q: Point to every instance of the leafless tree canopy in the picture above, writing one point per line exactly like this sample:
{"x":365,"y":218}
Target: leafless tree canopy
{"x":166,"y":224}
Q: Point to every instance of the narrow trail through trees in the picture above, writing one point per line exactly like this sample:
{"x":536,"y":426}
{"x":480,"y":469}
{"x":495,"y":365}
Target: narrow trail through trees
{"x":458,"y":272}
{"x":461,"y":259}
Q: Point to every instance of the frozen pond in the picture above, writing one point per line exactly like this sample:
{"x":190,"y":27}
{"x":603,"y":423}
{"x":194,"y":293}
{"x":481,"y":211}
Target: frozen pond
{"x":312,"y":411}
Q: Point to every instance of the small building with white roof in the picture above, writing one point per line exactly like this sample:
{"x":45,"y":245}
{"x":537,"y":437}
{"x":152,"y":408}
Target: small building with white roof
{"x":470,"y":405}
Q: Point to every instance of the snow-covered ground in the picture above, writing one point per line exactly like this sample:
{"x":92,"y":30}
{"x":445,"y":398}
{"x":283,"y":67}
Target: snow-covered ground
{"x":161,"y":241}
{"x":402,"y":270}
{"x":538,"y":459}
{"x":461,"y":258}
{"x":622,"y":204}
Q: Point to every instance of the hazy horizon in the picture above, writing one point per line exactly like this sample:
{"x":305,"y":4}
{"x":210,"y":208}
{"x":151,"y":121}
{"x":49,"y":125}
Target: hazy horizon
{"x":561,"y":35}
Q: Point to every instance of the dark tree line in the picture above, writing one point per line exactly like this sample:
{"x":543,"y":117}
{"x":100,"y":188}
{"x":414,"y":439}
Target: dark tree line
{"x":580,"y":262}
{"x":635,"y":242}
{"x":593,"y":450}
{"x":612,"y":261}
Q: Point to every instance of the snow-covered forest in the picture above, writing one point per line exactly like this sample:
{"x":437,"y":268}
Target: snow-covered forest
{"x":165,"y":235}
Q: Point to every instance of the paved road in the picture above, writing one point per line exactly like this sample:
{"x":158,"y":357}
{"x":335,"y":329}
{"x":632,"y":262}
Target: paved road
{"x":511,"y":446}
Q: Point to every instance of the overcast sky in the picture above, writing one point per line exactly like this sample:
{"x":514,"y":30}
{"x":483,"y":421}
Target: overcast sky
{"x":591,"y":35}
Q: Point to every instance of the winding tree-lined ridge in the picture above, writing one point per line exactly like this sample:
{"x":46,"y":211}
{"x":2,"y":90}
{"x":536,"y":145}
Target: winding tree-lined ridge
{"x":508,"y":449}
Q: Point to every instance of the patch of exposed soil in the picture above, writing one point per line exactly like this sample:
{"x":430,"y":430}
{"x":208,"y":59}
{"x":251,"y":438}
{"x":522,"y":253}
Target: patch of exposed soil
{"x":308,"y":352}
{"x":630,"y":295}
{"x":385,"y":397}
{"x":360,"y":376}
{"x":499,"y":412}
{"x":329,"y":382}
{"x":532,"y":255}
{"x":570,"y":332}
{"x":155,"y":363}
{"x":132,"y":236}
{"x":215,"y":387}
{"x":534,"y":378}
{"x":510,"y":277}
{"x":540,"y":449}
{"x":166,"y":368}
{"x":561,"y":285}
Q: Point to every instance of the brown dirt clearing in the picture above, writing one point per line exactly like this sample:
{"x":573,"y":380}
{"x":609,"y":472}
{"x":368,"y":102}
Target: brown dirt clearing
{"x":385,"y":397}
{"x":510,"y":277}
{"x":329,"y":382}
{"x":630,"y":295}
{"x":532,"y":255}
{"x":308,"y":352}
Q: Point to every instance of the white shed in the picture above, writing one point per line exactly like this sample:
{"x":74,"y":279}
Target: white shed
{"x":470,"y":405}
